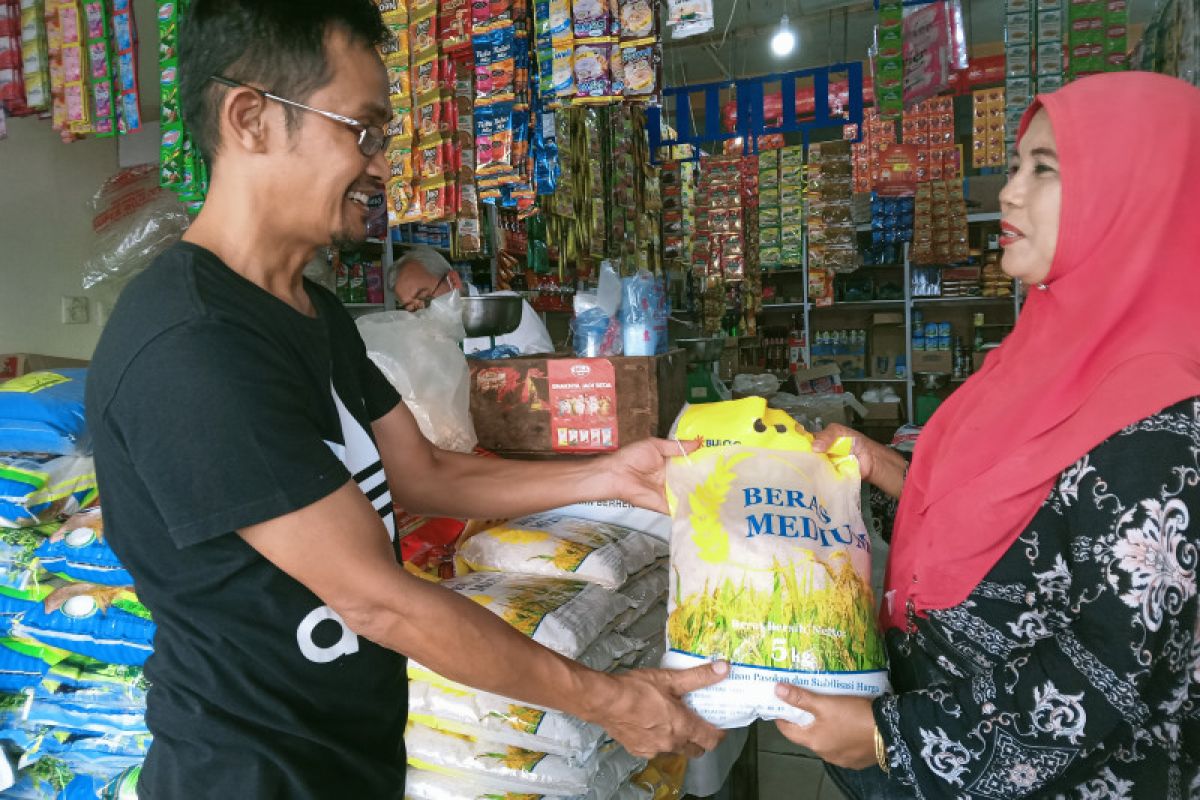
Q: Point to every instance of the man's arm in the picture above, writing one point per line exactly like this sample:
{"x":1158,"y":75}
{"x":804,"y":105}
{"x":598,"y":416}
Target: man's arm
{"x":426,"y":480}
{"x":338,"y":548}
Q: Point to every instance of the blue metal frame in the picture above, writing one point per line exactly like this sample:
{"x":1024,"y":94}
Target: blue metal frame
{"x":751,"y":122}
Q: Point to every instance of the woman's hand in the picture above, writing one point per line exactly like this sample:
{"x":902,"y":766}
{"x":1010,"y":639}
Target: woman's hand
{"x":880,"y":466}
{"x":842,"y":731}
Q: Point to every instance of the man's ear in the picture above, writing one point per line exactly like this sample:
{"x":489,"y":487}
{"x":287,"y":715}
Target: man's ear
{"x":243,"y":121}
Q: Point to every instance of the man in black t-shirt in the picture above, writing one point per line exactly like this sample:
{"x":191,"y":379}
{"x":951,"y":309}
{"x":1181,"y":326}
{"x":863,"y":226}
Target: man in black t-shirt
{"x":249,"y":453}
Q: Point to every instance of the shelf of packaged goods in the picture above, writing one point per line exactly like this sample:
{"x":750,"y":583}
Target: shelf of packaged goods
{"x":852,"y":305}
{"x":781,"y":307}
{"x":980,"y":216}
{"x":962,"y":301}
{"x":443,"y":250}
{"x":766,"y":273}
{"x":844,"y":379}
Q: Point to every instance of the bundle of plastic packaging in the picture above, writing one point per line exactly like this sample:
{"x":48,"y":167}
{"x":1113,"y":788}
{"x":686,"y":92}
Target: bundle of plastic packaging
{"x":465,"y":744}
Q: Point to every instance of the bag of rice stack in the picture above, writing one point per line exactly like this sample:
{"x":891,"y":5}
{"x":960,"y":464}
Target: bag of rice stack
{"x":616,"y":765}
{"x":507,"y":768}
{"x":561,"y":546}
{"x":563,"y":615}
{"x":770,"y":565}
{"x":499,"y":719}
{"x":644,"y":590}
{"x":609,"y":651}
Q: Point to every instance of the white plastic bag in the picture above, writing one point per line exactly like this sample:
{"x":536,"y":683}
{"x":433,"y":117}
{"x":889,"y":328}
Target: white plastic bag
{"x":134,"y":221}
{"x":488,"y":716}
{"x":561,"y":546}
{"x":419,"y":354}
{"x":563,"y":615}
{"x":507,"y":768}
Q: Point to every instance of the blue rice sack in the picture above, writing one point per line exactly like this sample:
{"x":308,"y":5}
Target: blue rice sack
{"x":101,"y":622}
{"x":19,"y":573}
{"x":34,"y":490}
{"x":78,"y":552}
{"x":22,"y":665}
{"x":42,"y":412}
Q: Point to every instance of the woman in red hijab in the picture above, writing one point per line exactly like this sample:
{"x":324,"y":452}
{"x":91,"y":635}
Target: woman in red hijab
{"x":1041,"y":601}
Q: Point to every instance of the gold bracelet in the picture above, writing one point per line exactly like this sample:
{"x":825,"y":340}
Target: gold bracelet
{"x":881,"y":753}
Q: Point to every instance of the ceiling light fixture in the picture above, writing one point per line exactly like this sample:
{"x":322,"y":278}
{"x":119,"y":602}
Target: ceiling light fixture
{"x":784,"y":41}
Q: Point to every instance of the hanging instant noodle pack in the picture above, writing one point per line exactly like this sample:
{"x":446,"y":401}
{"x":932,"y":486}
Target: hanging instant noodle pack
{"x":770,"y":564}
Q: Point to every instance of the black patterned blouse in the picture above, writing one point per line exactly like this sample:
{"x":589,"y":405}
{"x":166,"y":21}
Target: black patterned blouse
{"x":1073,"y":669}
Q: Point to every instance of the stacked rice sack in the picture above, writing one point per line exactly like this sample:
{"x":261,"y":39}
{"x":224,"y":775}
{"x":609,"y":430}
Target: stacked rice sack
{"x":73,"y":635}
{"x":587,"y":581}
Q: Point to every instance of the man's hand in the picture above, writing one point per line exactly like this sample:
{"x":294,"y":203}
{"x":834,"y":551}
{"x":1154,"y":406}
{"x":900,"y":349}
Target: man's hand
{"x":646,"y":714}
{"x":878,"y":465}
{"x":637,"y":473}
{"x":842,"y":731}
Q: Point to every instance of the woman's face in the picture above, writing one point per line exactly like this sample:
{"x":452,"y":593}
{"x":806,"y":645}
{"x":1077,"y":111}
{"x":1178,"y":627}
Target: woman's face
{"x":1030,"y":204}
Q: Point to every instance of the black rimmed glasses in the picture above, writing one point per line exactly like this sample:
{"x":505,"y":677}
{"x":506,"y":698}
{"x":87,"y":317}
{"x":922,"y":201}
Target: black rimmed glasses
{"x":371,"y":139}
{"x":427,"y":297}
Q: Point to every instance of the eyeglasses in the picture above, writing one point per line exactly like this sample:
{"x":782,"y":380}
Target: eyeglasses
{"x":371,"y":140}
{"x":423,"y":299}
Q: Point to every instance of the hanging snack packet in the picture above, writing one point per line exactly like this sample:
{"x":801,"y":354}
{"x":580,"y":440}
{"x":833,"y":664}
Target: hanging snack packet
{"x":593,"y":18}
{"x":454,"y":25}
{"x":422,"y":36}
{"x":563,"y":68}
{"x":593,"y":78}
{"x":637,"y":19}
{"x":562,"y":546}
{"x":770,"y":564}
{"x":640,"y":63}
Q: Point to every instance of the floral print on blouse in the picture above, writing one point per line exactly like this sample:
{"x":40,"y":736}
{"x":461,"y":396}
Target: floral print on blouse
{"x":1073,"y":669}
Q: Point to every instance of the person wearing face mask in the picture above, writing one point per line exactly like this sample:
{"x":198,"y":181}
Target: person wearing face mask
{"x":422,"y":275}
{"x":250,"y":452}
{"x":1041,"y":606}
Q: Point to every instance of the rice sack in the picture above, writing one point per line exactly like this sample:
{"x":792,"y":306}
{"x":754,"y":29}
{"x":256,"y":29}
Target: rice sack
{"x":563,"y":615}
{"x":770,"y":565}
{"x":42,"y":412}
{"x":562,"y":546}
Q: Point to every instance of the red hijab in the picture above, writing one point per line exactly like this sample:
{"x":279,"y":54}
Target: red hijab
{"x":1113,"y":338}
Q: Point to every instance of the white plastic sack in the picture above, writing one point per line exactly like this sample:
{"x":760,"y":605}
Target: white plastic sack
{"x":507,"y":768}
{"x":419,"y":354}
{"x":563,"y":615}
{"x":618,"y":512}
{"x":488,"y":716}
{"x":556,"y":545}
{"x":610,"y":651}
{"x":771,"y":567}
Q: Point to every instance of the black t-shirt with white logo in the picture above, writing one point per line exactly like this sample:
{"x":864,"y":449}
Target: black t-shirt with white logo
{"x":214,"y":406}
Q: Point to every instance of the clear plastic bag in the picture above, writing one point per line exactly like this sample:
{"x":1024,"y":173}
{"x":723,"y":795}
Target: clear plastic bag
{"x":419,"y":354}
{"x":134,"y":220}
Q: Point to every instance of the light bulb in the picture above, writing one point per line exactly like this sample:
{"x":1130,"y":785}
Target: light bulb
{"x":784,"y":41}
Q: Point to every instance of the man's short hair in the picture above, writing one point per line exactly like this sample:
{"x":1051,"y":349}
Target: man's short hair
{"x":277,"y":45}
{"x":421,"y":256}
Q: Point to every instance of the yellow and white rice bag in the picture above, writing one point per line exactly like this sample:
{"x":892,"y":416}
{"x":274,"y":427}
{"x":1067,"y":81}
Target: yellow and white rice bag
{"x":563,"y":615}
{"x":500,"y":719}
{"x":562,"y":546}
{"x":770,"y":565}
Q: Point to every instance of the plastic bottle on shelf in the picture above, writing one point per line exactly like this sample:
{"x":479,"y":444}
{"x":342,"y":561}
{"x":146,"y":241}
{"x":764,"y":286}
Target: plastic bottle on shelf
{"x":358,"y":283}
{"x":375,"y":282}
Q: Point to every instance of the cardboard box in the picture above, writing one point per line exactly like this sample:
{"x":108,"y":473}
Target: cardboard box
{"x":537,"y":405}
{"x":14,"y":365}
{"x":977,"y":360}
{"x":932,"y":361}
{"x":887,"y":318}
{"x":882,"y":411}
{"x":886,"y":347}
